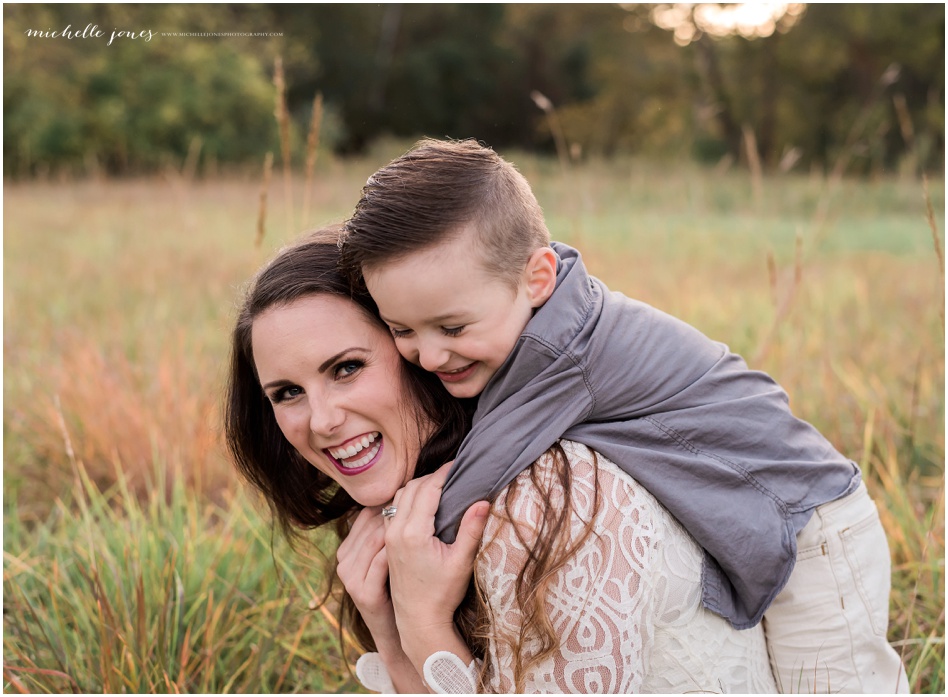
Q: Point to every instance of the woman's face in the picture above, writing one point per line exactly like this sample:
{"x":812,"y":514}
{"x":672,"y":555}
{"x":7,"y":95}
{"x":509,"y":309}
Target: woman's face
{"x":334,"y":380}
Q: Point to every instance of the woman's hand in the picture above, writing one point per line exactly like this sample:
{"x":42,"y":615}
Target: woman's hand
{"x":363,"y":569}
{"x":429,"y":578}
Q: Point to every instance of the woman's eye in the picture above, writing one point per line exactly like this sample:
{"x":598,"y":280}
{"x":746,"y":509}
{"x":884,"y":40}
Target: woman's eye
{"x":285,"y":393}
{"x":400,"y":333}
{"x":452,"y":331}
{"x":349,"y":368}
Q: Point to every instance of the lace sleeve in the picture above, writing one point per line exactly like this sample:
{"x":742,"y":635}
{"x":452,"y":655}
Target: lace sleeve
{"x":600,"y":604}
{"x":372,"y":673}
{"x":446,"y":674}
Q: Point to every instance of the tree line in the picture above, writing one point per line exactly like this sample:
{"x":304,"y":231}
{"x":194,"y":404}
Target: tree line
{"x":858,"y":87}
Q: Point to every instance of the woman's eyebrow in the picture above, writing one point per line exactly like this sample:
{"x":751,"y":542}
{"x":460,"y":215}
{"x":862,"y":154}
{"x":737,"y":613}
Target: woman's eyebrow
{"x":276,"y":383}
{"x":328,"y":363}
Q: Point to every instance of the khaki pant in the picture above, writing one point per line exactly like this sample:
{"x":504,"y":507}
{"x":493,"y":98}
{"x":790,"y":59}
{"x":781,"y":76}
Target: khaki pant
{"x":826,"y":631}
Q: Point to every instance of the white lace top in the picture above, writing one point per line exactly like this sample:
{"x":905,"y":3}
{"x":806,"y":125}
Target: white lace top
{"x":627,"y":606}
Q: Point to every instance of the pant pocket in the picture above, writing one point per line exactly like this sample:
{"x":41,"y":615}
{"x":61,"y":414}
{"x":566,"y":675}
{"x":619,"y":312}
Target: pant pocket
{"x":867,"y":555}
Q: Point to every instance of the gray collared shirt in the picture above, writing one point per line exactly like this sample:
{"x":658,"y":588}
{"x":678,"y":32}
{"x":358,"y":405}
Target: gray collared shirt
{"x":714,"y":441}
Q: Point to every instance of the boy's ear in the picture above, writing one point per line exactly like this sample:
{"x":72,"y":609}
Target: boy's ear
{"x":540,"y":276}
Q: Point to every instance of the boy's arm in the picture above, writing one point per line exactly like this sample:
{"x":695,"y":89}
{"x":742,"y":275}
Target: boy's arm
{"x":621,"y":360}
{"x":641,"y":361}
{"x":510,"y":432}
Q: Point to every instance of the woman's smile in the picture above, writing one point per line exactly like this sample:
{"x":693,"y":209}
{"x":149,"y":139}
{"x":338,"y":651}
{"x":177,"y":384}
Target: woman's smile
{"x":358,"y":456}
{"x":334,"y":379}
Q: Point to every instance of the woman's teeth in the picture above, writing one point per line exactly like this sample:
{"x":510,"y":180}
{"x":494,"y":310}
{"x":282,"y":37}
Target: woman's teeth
{"x":353,"y":449}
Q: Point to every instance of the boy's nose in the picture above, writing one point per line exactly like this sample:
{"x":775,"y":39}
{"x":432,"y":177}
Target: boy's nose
{"x":431,"y":356}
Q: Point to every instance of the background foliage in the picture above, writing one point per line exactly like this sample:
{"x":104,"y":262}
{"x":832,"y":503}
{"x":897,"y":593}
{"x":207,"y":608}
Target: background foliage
{"x":621,"y":83}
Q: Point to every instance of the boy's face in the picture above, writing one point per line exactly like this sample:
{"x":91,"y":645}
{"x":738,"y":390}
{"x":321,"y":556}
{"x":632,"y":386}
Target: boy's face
{"x":449,"y":315}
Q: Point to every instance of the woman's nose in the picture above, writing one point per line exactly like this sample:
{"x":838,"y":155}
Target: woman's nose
{"x":326,"y":416}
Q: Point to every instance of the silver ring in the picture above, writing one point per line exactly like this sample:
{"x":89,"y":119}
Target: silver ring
{"x":389,"y":512}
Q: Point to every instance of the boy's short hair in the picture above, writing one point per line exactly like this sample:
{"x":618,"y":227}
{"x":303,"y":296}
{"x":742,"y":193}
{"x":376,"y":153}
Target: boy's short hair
{"x":426,"y":196}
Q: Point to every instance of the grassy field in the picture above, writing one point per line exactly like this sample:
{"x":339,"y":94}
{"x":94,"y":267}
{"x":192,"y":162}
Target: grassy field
{"x":133,"y":559}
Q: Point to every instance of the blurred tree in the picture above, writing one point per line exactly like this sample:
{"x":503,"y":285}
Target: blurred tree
{"x":860,"y":84}
{"x":839,"y":63}
{"x":443,"y":73}
{"x":331,"y":48}
{"x":441,"y":70}
{"x":683,"y":80}
{"x":131,"y":105}
{"x":638,"y":95}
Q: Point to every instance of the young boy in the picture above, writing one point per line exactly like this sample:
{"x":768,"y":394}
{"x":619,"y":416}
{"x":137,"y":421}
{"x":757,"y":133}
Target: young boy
{"x":452,"y":245}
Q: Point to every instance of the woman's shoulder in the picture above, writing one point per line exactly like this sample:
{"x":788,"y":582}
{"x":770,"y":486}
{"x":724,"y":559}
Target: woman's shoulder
{"x":589,"y":467}
{"x":599,"y":490}
{"x":578,"y":455}
{"x":616,"y":503}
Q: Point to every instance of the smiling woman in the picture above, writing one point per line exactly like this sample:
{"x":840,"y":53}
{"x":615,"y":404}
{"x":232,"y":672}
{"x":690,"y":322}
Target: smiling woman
{"x":318,"y":404}
{"x":337,"y":398}
{"x":326,"y":420}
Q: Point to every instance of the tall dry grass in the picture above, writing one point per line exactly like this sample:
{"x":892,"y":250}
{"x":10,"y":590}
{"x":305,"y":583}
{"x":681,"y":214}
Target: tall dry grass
{"x":159,"y":592}
{"x":312,"y":149}
{"x":264,"y":193}
{"x":282,"y":115}
{"x":118,"y":302}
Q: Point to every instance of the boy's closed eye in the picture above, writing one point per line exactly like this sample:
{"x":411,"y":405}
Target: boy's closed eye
{"x":400,"y":333}
{"x":447,"y":331}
